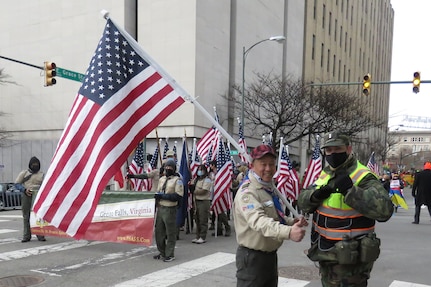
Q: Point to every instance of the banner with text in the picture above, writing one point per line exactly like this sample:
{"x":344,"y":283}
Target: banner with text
{"x":124,"y":217}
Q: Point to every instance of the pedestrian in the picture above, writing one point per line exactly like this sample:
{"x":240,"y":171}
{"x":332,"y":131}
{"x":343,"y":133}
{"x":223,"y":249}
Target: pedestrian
{"x":396,"y":186}
{"x":260,"y":224}
{"x":170,"y":193}
{"x":29,"y":181}
{"x":386,"y":182}
{"x":202,"y":200}
{"x":421,"y":191}
{"x":345,"y":200}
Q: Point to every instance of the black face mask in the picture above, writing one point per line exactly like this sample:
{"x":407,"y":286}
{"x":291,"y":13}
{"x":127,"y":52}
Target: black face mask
{"x":169,"y":172}
{"x":337,"y":159}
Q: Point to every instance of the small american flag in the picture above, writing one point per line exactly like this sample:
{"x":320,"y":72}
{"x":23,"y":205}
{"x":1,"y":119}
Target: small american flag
{"x":208,"y":140}
{"x":287,"y":177}
{"x":165,"y":149}
{"x":314,"y":167}
{"x":137,"y":167}
{"x":124,"y":96}
{"x":222,"y":200}
{"x":372,"y":164}
{"x":194,"y":161}
{"x":147,"y":184}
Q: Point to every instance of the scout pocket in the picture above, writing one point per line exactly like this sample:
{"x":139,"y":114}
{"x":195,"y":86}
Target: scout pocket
{"x":370,"y":248}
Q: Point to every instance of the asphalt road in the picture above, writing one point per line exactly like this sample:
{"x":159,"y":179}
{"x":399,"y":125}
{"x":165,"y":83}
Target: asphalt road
{"x":405,"y":257}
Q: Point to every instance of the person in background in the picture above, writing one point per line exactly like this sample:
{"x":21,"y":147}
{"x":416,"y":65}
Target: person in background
{"x":386,"y":182}
{"x":260,"y":224}
{"x":170,"y":193}
{"x":346,"y":200}
{"x":202,"y":200}
{"x":421,"y":191}
{"x":29,"y":182}
{"x":396,"y":187}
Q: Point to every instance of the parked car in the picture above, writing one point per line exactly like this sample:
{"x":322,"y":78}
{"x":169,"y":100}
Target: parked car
{"x":10,"y":196}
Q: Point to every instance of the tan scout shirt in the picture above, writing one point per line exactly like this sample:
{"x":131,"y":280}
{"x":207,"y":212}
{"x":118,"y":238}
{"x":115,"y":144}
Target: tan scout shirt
{"x":33,"y":183}
{"x":203,"y":189}
{"x":174,"y":185}
{"x":256,"y":219}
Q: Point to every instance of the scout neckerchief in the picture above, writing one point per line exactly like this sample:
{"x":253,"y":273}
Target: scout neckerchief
{"x":277,"y":205}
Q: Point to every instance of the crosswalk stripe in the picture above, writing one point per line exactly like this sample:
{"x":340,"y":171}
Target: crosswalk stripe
{"x":7,"y":230}
{"x":22,"y":253}
{"x":396,"y":283}
{"x":287,"y":282}
{"x":10,"y":216}
{"x":181,"y":272}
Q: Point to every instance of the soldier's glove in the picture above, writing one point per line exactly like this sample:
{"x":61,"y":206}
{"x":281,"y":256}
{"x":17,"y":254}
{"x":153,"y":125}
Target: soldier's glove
{"x":342,"y":183}
{"x":322,"y":193}
{"x":158,"y":196}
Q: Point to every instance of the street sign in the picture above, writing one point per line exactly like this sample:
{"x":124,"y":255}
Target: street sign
{"x":71,"y":75}
{"x":233,"y":152}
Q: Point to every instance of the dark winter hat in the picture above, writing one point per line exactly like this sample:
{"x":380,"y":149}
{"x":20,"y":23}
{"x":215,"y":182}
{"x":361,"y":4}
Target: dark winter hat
{"x":34,"y":164}
{"x":170,"y":162}
{"x":335,"y":138}
{"x":261,"y":150}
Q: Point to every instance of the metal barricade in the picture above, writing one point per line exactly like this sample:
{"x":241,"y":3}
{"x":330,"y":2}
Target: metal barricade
{"x":10,"y":199}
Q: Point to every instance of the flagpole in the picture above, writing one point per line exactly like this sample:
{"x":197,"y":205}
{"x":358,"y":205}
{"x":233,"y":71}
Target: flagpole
{"x":158,"y":145}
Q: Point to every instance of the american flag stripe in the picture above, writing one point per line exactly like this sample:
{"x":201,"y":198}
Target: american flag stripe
{"x":100,"y":134}
{"x":314,"y":167}
{"x":222,"y":200}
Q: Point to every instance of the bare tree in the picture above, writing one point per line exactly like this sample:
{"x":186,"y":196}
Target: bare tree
{"x":292,"y":109}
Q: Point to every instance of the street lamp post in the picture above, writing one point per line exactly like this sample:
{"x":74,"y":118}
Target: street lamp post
{"x":244,"y":57}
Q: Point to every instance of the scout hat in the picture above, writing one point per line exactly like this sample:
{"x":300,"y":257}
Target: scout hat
{"x":335,"y":138}
{"x":261,"y":150}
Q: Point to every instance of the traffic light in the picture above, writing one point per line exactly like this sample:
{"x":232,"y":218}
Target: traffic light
{"x":366,"y":86}
{"x":50,"y":73}
{"x":416,"y":82}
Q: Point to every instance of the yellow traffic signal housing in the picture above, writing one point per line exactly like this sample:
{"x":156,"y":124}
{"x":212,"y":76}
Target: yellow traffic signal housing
{"x":366,"y":86}
{"x":416,"y":82}
{"x":50,"y":73}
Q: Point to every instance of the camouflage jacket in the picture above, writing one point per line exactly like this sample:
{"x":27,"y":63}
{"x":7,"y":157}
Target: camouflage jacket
{"x":369,"y":198}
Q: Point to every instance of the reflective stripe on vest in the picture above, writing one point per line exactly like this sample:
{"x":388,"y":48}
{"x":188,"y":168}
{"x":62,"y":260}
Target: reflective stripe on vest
{"x":335,"y":207}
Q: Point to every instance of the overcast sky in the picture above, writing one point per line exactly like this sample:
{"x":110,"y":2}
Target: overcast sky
{"x":411,"y":52}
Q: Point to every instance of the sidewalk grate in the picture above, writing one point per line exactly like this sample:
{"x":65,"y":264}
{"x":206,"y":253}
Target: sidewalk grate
{"x":20,"y":281}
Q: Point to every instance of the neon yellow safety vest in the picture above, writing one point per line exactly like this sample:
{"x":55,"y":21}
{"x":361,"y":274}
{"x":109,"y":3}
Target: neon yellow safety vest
{"x":334,"y":218}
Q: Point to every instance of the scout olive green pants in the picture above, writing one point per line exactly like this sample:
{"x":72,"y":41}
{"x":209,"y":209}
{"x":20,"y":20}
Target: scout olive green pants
{"x":166,"y":230}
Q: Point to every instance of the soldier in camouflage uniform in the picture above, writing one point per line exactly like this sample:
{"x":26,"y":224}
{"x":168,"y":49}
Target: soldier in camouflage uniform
{"x":345,"y":200}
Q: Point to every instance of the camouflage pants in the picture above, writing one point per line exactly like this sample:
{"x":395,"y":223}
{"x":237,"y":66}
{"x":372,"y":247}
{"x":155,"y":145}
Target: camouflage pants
{"x":351,"y":275}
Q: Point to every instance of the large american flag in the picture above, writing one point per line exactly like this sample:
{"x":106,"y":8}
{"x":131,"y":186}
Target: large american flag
{"x":137,"y":167}
{"x":147,"y":184}
{"x":314,"y":167}
{"x":372,"y":164}
{"x":241,"y":142}
{"x":287,"y":177}
{"x":124,"y":96}
{"x":222,"y":200}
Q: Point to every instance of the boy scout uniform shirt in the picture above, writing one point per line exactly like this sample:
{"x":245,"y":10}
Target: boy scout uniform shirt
{"x":256,"y":220}
{"x":174,"y":185}
{"x":203,"y":189}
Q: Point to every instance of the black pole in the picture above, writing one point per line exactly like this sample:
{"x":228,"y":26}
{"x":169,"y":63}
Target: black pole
{"x":24,"y":63}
